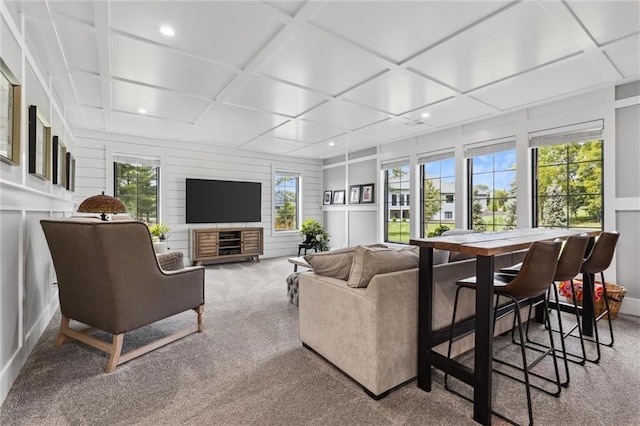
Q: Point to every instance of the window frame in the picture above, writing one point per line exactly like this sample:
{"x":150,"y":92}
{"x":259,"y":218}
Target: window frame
{"x":298,"y":176}
{"x":399,"y":205}
{"x":424,"y":221}
{"x":157,"y":168}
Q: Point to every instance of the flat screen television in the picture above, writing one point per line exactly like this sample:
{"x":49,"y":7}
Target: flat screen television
{"x":223,"y":201}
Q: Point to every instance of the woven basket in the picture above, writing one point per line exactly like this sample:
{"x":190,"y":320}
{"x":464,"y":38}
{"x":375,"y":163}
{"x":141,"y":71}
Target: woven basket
{"x":615,"y":294}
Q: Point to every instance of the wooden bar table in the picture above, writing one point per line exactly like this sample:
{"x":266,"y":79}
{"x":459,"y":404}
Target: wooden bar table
{"x":485,"y":246}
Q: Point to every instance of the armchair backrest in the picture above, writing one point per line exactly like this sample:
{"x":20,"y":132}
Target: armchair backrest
{"x":103,"y":268}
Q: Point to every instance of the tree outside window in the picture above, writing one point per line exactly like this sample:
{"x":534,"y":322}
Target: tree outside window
{"x":286,"y":204}
{"x":136,"y":186}
{"x":438,"y":190}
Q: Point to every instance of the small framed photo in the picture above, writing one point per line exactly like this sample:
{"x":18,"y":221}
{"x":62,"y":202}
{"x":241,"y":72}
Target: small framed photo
{"x":39,"y":144}
{"x":366,"y":193}
{"x":71,"y":172}
{"x":354,"y":194}
{"x":327,"y":198}
{"x":338,"y":197}
{"x":59,"y":163}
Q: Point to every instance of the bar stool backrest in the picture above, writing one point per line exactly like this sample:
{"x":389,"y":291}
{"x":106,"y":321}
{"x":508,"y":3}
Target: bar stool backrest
{"x":571,"y":257}
{"x":537,"y":272}
{"x":602,"y":253}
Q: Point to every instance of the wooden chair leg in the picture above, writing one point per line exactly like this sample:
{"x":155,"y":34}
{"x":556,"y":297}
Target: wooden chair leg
{"x":200,"y":311}
{"x":61,"y":338}
{"x":116,"y":350}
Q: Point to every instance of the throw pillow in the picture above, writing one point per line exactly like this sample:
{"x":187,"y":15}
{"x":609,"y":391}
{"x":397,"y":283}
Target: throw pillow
{"x":370,"y":261}
{"x":334,"y":263}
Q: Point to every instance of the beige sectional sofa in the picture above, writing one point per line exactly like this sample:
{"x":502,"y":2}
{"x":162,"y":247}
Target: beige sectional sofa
{"x":370,"y":333}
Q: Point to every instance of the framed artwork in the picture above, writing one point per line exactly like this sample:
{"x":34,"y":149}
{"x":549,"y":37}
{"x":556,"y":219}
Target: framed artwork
{"x":59,"y":175}
{"x":39,"y":144}
{"x":338,"y":197}
{"x":327,"y":198}
{"x":71,"y":172}
{"x":366,"y":193}
{"x":354,"y":194}
{"x":9,"y":116}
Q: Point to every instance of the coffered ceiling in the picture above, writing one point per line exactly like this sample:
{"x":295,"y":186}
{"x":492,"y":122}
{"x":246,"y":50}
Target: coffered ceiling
{"x":318,"y":78}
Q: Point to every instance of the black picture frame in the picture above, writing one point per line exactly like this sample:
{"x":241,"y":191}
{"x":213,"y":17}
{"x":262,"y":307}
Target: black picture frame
{"x":10,"y":96}
{"x":327,"y":197}
{"x":338,"y":197}
{"x":59,"y":162}
{"x":71,"y":172}
{"x":367,"y":194}
{"x":354,"y":194}
{"x":39,"y":144}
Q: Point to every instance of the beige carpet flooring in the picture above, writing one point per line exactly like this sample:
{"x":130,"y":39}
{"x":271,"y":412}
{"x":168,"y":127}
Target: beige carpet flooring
{"x":249,"y":368}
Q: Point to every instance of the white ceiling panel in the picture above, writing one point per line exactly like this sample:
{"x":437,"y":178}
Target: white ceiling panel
{"x":273,"y":145}
{"x":233,"y":124}
{"x":345,"y":115}
{"x":229,"y":32}
{"x":451,"y":111}
{"x":79,"y":45}
{"x":82,"y":10}
{"x":398,"y":91}
{"x":289,"y":7}
{"x":93,"y":117}
{"x":316,"y":63}
{"x":520,"y":38}
{"x":554,"y":80}
{"x":355,"y":141}
{"x":129,"y":97}
{"x":319,"y":150}
{"x":394,"y":128}
{"x":625,"y":55}
{"x":155,"y":65}
{"x":136,"y":124}
{"x":88,"y":88}
{"x":608,"y":20}
{"x":400,"y":29}
{"x":305,"y":131}
{"x":270,"y":95}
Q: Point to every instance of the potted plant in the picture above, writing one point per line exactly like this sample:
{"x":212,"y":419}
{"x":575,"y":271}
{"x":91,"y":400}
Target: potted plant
{"x":314,"y":234}
{"x":158,"y":231}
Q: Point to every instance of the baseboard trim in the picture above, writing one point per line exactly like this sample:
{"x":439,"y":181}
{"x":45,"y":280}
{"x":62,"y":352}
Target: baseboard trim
{"x":630,"y":306}
{"x":10,"y":371}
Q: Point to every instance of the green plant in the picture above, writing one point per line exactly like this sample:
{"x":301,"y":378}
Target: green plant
{"x":438,"y":231}
{"x":159,"y":231}
{"x":314,"y":233}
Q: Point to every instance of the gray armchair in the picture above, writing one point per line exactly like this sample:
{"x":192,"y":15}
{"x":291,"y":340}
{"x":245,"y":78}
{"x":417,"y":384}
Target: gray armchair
{"x":110,"y":279}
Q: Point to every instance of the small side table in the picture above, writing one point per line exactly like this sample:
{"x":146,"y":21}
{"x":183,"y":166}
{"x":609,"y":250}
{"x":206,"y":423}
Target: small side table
{"x":306,"y":246}
{"x":299,"y":261}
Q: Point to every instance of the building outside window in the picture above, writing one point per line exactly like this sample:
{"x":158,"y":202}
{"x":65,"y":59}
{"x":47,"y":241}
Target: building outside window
{"x":396,"y":210}
{"x":287,"y":201}
{"x":492,"y":183}
{"x":438,"y":189}
{"x":568,"y":190}
{"x":135,"y":183}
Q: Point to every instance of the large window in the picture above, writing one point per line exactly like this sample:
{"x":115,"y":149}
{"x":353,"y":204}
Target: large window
{"x":438,"y":195}
{"x":287,"y":201}
{"x":492,"y":183}
{"x":136,"y":185}
{"x":568,"y":181}
{"x":396,"y":206}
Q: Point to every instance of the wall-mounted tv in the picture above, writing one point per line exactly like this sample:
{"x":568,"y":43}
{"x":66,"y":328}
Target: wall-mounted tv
{"x":223,"y":201}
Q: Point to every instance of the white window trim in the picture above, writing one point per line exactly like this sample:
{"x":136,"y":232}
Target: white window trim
{"x":278,"y":171}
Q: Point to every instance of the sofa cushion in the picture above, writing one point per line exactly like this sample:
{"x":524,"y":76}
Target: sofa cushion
{"x":370,"y":261}
{"x":439,"y":256}
{"x":334,"y":263}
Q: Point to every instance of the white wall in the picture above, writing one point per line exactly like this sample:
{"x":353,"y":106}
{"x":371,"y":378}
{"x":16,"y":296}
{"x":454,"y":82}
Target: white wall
{"x":28,"y":296}
{"x":181,"y":160}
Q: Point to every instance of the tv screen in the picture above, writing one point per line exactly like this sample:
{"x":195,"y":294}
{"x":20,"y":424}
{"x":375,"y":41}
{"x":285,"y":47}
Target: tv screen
{"x":222,"y":201}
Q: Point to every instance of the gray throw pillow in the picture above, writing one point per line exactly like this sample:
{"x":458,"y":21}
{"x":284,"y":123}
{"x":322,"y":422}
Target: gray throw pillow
{"x":371,"y":261}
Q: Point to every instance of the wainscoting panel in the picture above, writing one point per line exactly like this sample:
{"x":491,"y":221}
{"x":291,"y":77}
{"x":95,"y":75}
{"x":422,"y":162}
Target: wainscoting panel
{"x":363,"y":226}
{"x":9,"y":285}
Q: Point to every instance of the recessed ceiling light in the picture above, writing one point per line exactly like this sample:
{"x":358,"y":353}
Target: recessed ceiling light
{"x":425,"y":115}
{"x":142,"y":111}
{"x":168,"y":31}
{"x":331,"y":144}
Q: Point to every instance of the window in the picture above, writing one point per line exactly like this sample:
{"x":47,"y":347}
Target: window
{"x":397,"y":213}
{"x":136,"y":185}
{"x":568,"y":179}
{"x":438,"y":188}
{"x":492,"y":180}
{"x":287,"y":201}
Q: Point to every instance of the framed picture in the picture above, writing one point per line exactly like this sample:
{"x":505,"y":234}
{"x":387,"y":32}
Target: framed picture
{"x":71,"y":172}
{"x":59,"y":175}
{"x":354,"y":194}
{"x":9,"y":116}
{"x":327,"y":198}
{"x":366,"y":193}
{"x":39,"y":144}
{"x":338,"y":197}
